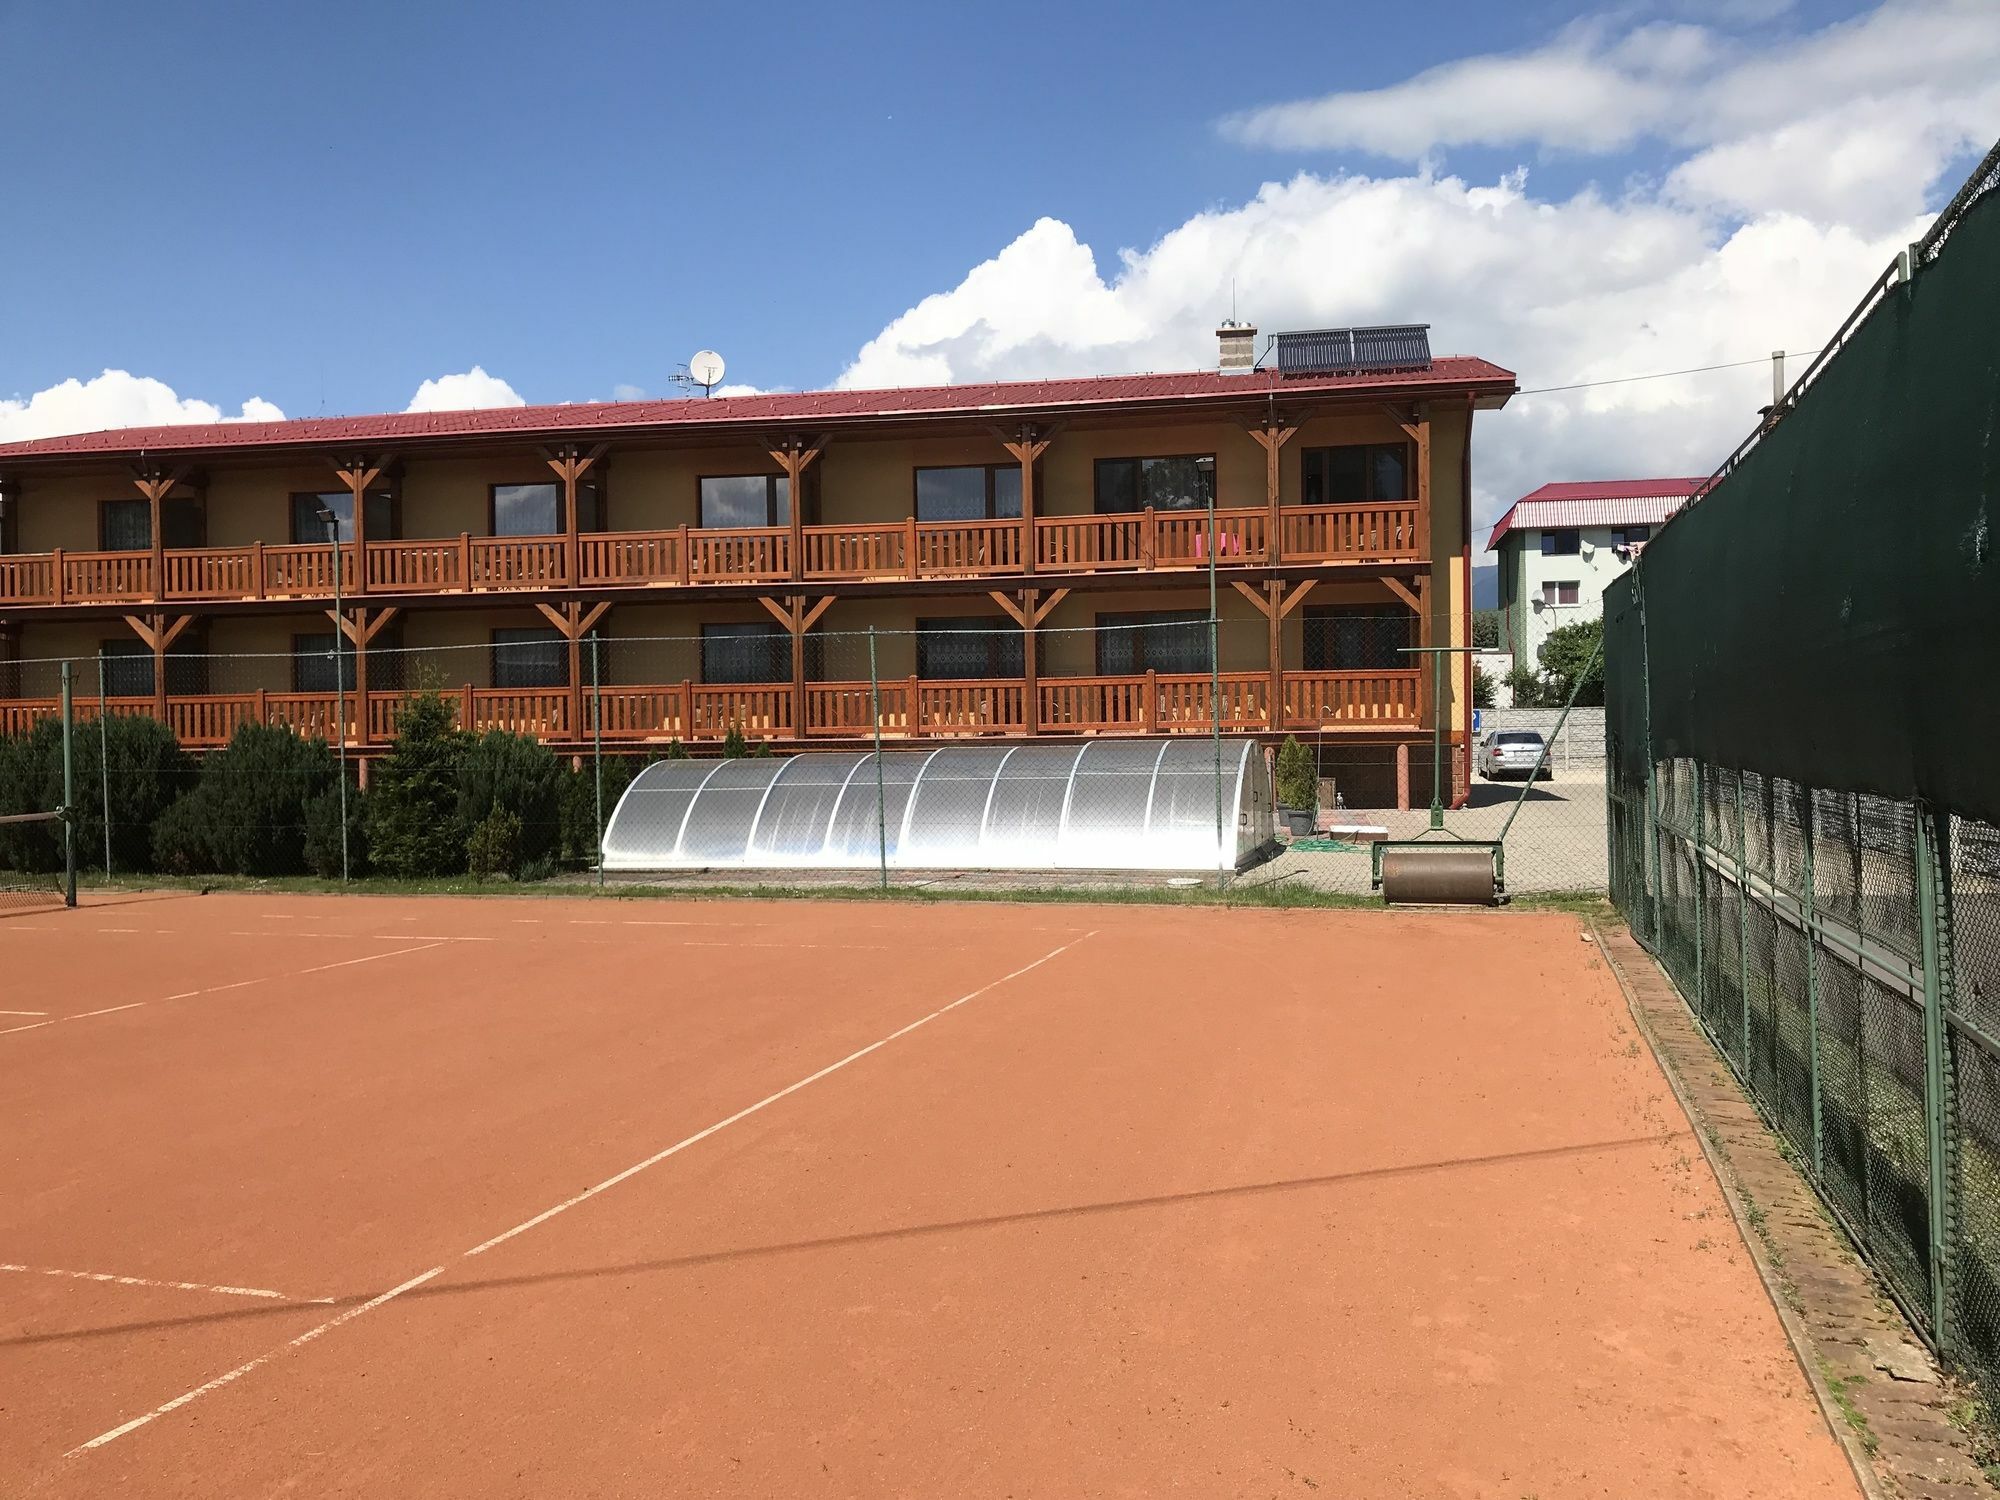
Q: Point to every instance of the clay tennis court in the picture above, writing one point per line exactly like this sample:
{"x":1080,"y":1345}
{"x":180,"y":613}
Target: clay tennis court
{"x":393,"y":1197}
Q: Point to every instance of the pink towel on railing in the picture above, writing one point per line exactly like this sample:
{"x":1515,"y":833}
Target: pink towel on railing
{"x":1227,"y":544}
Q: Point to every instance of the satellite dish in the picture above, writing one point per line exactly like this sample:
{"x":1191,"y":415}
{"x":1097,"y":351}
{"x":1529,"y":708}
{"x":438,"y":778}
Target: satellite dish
{"x":706,"y":369}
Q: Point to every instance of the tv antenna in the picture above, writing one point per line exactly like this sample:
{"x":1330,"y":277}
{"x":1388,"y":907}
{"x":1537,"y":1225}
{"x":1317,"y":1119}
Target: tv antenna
{"x":703,"y":369}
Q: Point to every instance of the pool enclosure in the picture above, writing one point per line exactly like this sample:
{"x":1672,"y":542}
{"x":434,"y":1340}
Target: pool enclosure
{"x":1124,"y":804}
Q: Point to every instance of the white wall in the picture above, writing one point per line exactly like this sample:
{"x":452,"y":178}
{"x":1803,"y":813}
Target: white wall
{"x":1591,"y":570}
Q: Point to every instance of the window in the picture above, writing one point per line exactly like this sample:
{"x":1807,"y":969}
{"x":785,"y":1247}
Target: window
{"x":1625,"y":536}
{"x":536,"y":657}
{"x":1564,"y":543}
{"x":979,"y":492}
{"x":746,"y":653}
{"x":128,"y":666}
{"x":1359,"y":638}
{"x":1128,"y":484}
{"x":969,"y":647}
{"x":127,"y":525}
{"x":526,"y":509}
{"x":312,"y":663}
{"x":308,"y":527}
{"x":1355,"y":473}
{"x":1161,"y":641}
{"x":746,"y":500}
{"x":1558,"y":593}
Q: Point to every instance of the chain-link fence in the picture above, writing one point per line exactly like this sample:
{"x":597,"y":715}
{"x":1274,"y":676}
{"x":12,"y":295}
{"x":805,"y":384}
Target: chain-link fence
{"x":1342,"y":732}
{"x":1824,"y":888}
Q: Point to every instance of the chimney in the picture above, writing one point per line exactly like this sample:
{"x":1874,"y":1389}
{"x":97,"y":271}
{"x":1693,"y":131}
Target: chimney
{"x":1239,"y":347}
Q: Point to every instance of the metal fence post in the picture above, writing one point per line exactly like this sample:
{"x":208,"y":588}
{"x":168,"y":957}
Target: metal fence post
{"x":881,"y":803}
{"x":1743,"y":930}
{"x":1932,"y":860}
{"x":104,"y":761}
{"x":1700,"y":895}
{"x":69,"y":785}
{"x":597,"y":749}
{"x":1811,"y":917}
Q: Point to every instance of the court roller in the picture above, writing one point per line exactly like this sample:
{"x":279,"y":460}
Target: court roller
{"x":1440,"y":875}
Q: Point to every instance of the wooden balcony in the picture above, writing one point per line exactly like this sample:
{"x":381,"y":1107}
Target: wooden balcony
{"x":688,"y":557}
{"x":703,"y":713}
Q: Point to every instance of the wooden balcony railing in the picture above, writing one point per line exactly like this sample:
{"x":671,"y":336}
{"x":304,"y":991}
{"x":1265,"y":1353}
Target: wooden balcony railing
{"x":704,"y":713}
{"x":1349,"y":533}
{"x":909,"y":549}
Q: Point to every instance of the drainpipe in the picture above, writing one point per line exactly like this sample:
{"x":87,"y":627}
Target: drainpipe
{"x":1465,"y":504}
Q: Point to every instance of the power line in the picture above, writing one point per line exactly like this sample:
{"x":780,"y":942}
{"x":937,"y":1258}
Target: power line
{"x":1737,"y":364}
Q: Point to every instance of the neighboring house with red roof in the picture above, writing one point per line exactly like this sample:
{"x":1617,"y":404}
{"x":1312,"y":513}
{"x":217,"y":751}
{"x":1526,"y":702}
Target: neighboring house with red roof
{"x":1561,"y":545}
{"x":733,"y":556}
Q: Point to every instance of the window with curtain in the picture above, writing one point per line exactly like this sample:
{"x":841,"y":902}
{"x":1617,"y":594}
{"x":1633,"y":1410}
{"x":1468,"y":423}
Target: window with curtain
{"x":128,"y":669}
{"x":969,"y":647}
{"x":737,"y":500}
{"x":527,"y":509}
{"x":1355,"y":473}
{"x":1559,"y":593}
{"x":1359,"y":638}
{"x":312,"y":663}
{"x":1129,"y":484}
{"x":532,"y":657}
{"x":308,"y":527}
{"x":746,"y":653}
{"x":973,"y":492}
{"x":1170,"y":640}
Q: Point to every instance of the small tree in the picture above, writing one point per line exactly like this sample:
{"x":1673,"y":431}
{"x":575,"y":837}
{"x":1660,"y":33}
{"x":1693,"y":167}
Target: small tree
{"x":1524,"y":684}
{"x":1298,"y":774}
{"x":494,"y":846}
{"x":734,"y":746}
{"x":1567,"y":657}
{"x":1486,"y":629}
{"x":413,"y":824}
{"x":1482,"y":688}
{"x":322,"y":848}
{"x":511,"y":772}
{"x":676,"y":751}
{"x":254,"y":791}
{"x":148,"y":772}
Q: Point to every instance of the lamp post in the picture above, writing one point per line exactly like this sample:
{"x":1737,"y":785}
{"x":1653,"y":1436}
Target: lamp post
{"x":332,"y":523}
{"x":1225,"y":856}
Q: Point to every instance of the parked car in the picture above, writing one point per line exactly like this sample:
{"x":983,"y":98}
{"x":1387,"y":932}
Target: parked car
{"x":1513,"y":752}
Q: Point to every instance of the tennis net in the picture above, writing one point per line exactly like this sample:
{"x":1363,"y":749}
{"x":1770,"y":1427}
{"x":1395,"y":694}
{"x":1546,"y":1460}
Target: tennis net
{"x":33,"y":871}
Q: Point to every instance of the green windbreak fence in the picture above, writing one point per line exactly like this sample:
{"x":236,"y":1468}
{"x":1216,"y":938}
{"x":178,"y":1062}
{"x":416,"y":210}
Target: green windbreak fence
{"x":1803,"y":717}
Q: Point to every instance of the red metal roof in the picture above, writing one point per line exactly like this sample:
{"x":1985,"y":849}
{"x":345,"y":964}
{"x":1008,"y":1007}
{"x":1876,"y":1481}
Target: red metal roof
{"x":1596,"y":502}
{"x":993,"y":399}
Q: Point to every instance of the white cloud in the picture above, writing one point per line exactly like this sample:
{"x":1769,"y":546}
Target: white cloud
{"x":1847,"y":123}
{"x":115,"y":398}
{"x":740,"y":389}
{"x":475,"y":388}
{"x":1735,"y":251}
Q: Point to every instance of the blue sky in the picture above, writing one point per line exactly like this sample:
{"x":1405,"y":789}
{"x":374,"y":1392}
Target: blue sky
{"x":322,"y":208}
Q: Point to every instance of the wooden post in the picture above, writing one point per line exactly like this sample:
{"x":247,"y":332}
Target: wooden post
{"x":157,"y":635}
{"x":361,"y":632}
{"x":1026,"y":446}
{"x":795,"y":455}
{"x":357,"y":474}
{"x":1418,"y":600}
{"x":570,"y":466}
{"x":574,"y":621}
{"x":156,"y":486}
{"x":1272,"y":437}
{"x":1028,"y":614}
{"x":1275,"y":605}
{"x":797,"y":619}
{"x":1403,"y":777}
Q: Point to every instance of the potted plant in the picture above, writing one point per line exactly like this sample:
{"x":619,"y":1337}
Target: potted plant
{"x":1298,"y":787}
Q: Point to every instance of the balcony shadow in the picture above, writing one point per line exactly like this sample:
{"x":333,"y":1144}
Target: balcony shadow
{"x":863,"y":1237}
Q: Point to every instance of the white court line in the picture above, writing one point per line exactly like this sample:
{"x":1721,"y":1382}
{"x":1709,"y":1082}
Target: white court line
{"x":23,"y":1012}
{"x":566,"y":1205}
{"x":177,"y":1286}
{"x":244,"y":1369}
{"x":217,"y":989}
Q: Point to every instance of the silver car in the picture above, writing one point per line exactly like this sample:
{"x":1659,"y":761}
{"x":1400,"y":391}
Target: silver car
{"x":1514,"y":752}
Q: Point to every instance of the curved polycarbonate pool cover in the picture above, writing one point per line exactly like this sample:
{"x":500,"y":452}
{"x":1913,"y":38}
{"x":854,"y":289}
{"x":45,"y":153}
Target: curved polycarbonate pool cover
{"x":1102,"y":805}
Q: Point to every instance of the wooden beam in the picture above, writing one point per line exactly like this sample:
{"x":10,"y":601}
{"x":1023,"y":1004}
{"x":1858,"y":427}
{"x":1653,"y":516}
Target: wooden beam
{"x":1027,"y":445}
{"x":141,"y":630}
{"x":782,"y":613}
{"x":558,"y":617}
{"x":1056,"y":596}
{"x":173,"y":631}
{"x":1297,"y":597}
{"x":811,"y":616}
{"x":357,"y":474}
{"x":1402,"y":591}
{"x":1013,"y":610}
{"x":590,"y":617}
{"x":1255,"y":596}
